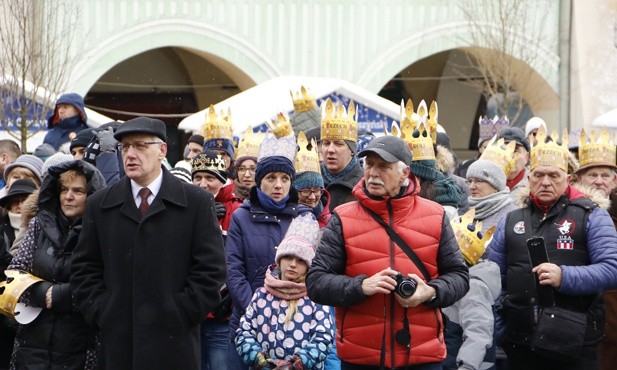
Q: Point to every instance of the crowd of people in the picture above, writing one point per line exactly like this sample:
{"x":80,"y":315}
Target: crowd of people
{"x":314,"y":245}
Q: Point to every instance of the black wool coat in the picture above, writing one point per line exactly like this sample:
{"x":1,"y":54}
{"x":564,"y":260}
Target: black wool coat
{"x":148,"y":282}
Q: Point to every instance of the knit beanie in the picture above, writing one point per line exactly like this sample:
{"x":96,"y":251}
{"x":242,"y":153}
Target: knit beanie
{"x":225,"y":145}
{"x":304,"y":121}
{"x":308,"y":179}
{"x":352,"y":146}
{"x":489,"y":172}
{"x":182,"y":173}
{"x":83,"y":138}
{"x":44,"y":151}
{"x":197,"y":139}
{"x":300,"y":240}
{"x":55,"y":160}
{"x":239,"y":161}
{"x":34,"y":164}
{"x":273,"y":164}
{"x":424,"y":169}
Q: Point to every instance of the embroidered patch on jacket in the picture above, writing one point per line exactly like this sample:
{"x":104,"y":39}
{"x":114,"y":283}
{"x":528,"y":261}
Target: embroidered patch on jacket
{"x":566,"y":228}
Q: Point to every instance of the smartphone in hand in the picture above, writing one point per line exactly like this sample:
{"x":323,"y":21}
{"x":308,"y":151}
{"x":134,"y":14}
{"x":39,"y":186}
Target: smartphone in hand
{"x":538,"y":255}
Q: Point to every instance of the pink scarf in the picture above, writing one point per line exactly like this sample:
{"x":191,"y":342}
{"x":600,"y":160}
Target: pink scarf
{"x":287,"y":290}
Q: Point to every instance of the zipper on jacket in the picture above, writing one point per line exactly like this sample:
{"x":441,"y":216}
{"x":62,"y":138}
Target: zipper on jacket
{"x":340,"y":330}
{"x":392,"y":299}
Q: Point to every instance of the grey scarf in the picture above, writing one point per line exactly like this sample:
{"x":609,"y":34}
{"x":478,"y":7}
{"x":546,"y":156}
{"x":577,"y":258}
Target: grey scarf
{"x":490,"y":204}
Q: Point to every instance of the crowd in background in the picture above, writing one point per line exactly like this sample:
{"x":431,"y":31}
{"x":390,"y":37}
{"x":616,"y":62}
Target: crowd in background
{"x":315,"y":245}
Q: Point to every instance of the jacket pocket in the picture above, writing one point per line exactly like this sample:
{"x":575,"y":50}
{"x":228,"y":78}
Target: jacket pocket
{"x":341,"y":330}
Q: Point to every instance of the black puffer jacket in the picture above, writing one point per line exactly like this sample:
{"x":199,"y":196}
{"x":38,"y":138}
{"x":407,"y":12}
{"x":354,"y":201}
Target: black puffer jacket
{"x":58,"y":337}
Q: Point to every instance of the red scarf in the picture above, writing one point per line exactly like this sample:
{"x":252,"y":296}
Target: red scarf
{"x":512,"y":183}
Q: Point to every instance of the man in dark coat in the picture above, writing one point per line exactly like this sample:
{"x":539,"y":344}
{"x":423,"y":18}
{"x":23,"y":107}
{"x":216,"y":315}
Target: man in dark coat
{"x":148,"y":274}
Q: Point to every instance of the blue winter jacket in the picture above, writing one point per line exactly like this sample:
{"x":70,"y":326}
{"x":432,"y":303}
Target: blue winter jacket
{"x":598,"y":276}
{"x":250,"y":247}
{"x":60,"y":131}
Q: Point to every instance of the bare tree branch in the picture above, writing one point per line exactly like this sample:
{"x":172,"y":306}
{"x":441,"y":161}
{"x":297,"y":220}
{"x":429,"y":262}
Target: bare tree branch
{"x":38,"y":41}
{"x":504,"y":39}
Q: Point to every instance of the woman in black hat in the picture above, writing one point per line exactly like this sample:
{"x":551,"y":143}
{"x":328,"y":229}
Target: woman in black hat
{"x":10,"y":225}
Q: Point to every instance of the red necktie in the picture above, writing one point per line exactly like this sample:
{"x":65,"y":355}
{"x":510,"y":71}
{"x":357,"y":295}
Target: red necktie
{"x":144,"y":193}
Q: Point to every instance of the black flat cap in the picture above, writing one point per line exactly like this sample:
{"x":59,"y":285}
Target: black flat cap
{"x":19,"y":187}
{"x":142,"y":125}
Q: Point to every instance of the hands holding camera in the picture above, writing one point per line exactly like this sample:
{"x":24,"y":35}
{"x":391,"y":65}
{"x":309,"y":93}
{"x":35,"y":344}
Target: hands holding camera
{"x":410,"y":291}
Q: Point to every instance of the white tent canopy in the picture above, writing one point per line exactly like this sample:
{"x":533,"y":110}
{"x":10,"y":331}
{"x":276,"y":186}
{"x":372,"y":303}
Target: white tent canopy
{"x":608,"y":119}
{"x":261,"y":103}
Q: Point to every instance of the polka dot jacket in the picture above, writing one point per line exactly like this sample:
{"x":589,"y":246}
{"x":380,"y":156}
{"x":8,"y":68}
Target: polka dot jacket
{"x":262,"y":329}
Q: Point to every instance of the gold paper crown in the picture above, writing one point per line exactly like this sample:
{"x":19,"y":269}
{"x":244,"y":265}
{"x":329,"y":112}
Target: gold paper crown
{"x":17,"y":282}
{"x":280,"y":126}
{"x":501,"y":154}
{"x":468,"y":234}
{"x":303,"y":100}
{"x":336,"y":124}
{"x":419,"y":129}
{"x":599,"y":151}
{"x":249,"y":144}
{"x":307,"y":160}
{"x":550,"y":154}
{"x":201,"y":162}
{"x":217,"y":126}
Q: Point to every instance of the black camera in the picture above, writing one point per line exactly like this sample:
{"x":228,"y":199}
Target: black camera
{"x":405,"y":286}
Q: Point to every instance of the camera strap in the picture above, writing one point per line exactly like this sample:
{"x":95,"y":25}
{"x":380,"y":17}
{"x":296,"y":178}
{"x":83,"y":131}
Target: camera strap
{"x":400,"y":242}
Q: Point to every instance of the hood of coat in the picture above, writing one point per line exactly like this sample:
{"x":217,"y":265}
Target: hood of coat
{"x":595,"y":195}
{"x":444,"y":160}
{"x":48,"y":199}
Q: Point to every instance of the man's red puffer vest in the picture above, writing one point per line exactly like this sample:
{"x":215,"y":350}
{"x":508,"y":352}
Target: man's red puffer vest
{"x":361,"y":327}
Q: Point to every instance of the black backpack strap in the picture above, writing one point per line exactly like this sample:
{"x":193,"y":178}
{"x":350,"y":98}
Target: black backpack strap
{"x":400,"y":242}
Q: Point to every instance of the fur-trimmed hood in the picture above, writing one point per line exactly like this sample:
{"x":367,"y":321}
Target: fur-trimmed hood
{"x":595,"y":195}
{"x":444,"y":160}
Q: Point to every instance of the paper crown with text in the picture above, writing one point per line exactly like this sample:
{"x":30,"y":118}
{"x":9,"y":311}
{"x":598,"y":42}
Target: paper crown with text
{"x":249,"y":144}
{"x":471,"y":241}
{"x":217,"y":126}
{"x":280,"y":126}
{"x":303,"y":100}
{"x":307,"y":159}
{"x":598,"y":151}
{"x":491,"y":127}
{"x":17,"y":282}
{"x":338,"y":123}
{"x":202,"y":162}
{"x":502,"y":154}
{"x":550,"y":153}
{"x":418,"y":129}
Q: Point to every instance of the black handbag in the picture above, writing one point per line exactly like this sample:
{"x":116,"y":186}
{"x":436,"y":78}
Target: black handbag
{"x":559,"y":333}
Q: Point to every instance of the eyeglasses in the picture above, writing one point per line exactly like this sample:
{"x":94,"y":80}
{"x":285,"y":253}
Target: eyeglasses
{"x":139,"y":146}
{"x":242,"y":169}
{"x":308,"y":192}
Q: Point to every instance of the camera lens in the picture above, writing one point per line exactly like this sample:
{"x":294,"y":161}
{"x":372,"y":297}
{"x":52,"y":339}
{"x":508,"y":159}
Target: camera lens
{"x":407,"y":288}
